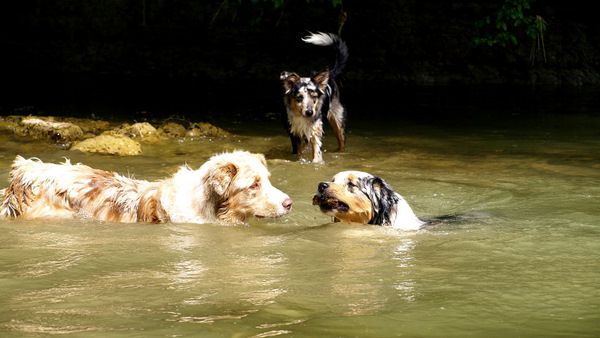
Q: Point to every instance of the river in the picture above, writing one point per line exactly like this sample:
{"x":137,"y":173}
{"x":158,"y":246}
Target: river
{"x":521,"y":257}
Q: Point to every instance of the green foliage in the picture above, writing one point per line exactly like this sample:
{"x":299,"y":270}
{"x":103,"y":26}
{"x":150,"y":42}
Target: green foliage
{"x":537,"y":32}
{"x":511,"y":22}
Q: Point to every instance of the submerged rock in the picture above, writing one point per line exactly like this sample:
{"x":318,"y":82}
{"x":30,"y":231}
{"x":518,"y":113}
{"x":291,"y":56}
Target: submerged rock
{"x":89,"y":126}
{"x":172,"y":130}
{"x":39,"y":129}
{"x":204,"y":129}
{"x":122,"y":140}
{"x":55,"y":129}
{"x":142,"y":131}
{"x":10,"y":123}
{"x":109,"y":144}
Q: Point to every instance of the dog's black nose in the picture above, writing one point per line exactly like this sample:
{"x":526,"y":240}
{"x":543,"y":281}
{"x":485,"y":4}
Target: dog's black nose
{"x":309,"y":113}
{"x":323,"y":186}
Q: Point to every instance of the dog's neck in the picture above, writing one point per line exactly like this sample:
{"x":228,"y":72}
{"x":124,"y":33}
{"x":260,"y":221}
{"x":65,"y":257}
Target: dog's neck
{"x":402,"y":217}
{"x":183,"y":193}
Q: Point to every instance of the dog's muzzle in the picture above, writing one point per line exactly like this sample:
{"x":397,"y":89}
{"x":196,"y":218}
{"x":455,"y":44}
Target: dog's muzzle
{"x":327,"y":202}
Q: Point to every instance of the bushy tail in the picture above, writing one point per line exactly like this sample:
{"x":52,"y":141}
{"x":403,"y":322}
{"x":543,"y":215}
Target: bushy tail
{"x":328,"y":39}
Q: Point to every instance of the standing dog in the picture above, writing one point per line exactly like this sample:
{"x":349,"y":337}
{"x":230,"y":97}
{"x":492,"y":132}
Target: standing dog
{"x":229,"y":188}
{"x":359,"y":197}
{"x":306,"y":98}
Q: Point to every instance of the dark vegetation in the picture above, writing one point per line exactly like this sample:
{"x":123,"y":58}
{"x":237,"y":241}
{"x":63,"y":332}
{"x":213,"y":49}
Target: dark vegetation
{"x":230,"y":52}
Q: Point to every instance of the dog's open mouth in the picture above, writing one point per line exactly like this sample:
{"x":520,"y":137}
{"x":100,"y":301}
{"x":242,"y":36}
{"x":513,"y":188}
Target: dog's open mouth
{"x":328,"y":203}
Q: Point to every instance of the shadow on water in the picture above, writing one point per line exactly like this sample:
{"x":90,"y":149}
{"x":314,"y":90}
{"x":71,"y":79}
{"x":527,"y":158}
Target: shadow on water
{"x":254,"y":102}
{"x":456,"y":219}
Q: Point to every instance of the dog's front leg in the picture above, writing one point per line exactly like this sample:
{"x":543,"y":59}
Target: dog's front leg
{"x":296,"y":144}
{"x":301,"y":149}
{"x":315,"y":143}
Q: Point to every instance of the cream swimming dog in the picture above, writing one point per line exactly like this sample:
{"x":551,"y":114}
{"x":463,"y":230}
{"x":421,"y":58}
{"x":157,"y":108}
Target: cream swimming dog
{"x":359,"y":197}
{"x":229,"y":188}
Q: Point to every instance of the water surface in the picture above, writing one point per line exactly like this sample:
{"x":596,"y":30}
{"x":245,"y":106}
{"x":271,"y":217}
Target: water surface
{"x":522,"y":260}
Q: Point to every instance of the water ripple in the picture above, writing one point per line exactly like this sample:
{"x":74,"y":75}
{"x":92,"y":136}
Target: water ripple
{"x":20,"y":326}
{"x":271,"y":333}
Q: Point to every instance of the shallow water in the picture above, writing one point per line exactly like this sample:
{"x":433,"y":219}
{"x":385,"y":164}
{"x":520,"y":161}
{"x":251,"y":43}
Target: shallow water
{"x":522,"y":259}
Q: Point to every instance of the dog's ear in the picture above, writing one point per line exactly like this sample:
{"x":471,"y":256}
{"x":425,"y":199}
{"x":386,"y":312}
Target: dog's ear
{"x":221,"y":177}
{"x":322,"y":80}
{"x":261,"y":158}
{"x":284,"y":75}
{"x":382,"y":197}
{"x":289,"y":80}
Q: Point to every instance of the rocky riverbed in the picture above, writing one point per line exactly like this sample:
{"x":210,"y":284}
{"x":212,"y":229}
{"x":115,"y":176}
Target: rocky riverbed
{"x":106,"y":137}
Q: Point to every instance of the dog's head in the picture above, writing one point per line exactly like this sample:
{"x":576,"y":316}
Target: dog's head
{"x":303,"y":94}
{"x":237,"y":185}
{"x":357,"y":197}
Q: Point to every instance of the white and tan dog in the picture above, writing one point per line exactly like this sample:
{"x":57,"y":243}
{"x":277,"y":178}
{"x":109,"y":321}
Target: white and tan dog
{"x":228,"y":188}
{"x":359,"y":197}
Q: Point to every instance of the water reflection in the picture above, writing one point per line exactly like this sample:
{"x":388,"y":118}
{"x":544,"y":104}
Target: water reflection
{"x":361,"y":280}
{"x":403,"y":255}
{"x":224,"y":273}
{"x":186,"y":272}
{"x":36,"y":328}
{"x":260,"y":271}
{"x":210,"y":319}
{"x":56,"y":252}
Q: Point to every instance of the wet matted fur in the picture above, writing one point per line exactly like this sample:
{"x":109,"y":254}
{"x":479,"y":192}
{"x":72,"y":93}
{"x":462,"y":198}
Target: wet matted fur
{"x":307,"y":98}
{"x":359,"y":197}
{"x":229,"y":188}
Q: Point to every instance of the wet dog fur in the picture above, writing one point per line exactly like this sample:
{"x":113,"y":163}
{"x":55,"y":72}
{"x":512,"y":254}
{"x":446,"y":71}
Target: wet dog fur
{"x":306,"y":98}
{"x":359,"y":197}
{"x":228,"y":188}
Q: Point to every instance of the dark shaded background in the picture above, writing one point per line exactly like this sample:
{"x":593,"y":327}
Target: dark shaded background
{"x":184,"y":56}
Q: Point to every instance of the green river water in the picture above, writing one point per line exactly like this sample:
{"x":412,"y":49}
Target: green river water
{"x":521,"y":260}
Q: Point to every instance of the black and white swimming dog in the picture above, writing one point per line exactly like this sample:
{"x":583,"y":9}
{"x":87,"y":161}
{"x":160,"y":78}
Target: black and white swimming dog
{"x":359,"y":197}
{"x":306,"y":98}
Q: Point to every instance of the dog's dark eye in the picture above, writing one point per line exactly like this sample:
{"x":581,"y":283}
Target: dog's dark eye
{"x":351,"y":185}
{"x":299,"y":98}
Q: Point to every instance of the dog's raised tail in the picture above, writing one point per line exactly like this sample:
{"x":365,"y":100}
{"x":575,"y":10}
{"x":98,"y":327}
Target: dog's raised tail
{"x":329,"y":39}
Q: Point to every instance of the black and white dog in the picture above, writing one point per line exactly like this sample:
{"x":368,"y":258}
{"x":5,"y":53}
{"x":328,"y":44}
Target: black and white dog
{"x":306,"y":98}
{"x":359,"y":197}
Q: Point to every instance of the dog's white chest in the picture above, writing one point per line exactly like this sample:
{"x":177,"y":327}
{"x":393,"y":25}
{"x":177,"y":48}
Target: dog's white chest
{"x":302,"y":126}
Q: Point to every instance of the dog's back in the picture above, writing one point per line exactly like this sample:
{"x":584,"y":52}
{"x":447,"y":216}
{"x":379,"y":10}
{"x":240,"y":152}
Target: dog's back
{"x":39,"y":189}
